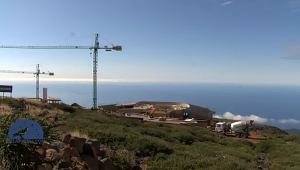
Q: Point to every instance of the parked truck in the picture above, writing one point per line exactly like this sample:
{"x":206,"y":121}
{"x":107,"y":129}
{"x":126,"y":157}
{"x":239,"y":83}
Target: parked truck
{"x":240,"y":129}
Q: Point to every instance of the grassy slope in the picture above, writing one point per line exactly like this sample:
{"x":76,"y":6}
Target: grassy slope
{"x":293,"y":131}
{"x":177,"y":148}
{"x":173,"y":148}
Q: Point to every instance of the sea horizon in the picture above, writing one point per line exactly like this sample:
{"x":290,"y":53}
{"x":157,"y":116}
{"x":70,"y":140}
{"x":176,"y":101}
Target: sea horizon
{"x":267,"y":104}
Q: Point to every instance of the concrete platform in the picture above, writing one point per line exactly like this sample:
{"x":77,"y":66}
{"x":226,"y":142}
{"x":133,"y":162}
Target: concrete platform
{"x":168,"y":120}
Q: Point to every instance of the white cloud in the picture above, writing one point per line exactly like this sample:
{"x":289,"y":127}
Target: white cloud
{"x":227,"y":3}
{"x":289,"y":121}
{"x":217,"y":116}
{"x":229,"y":115}
{"x":257,"y":119}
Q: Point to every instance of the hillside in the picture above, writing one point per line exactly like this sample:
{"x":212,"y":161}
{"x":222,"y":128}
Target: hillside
{"x":131,"y":144}
{"x":293,"y":131}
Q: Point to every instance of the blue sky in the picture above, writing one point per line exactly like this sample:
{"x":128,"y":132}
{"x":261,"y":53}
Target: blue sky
{"x":239,"y":41}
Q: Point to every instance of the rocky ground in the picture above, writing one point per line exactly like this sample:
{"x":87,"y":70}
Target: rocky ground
{"x":75,"y":153}
{"x":80,"y":154}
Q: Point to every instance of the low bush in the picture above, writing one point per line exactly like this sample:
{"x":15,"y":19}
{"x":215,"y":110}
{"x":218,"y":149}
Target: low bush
{"x":176,"y":148}
{"x":63,"y":107}
{"x":21,"y":155}
{"x":123,"y":159}
{"x":265,"y":146}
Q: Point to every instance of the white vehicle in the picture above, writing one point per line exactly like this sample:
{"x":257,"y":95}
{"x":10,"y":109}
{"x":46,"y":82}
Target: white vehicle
{"x":220,"y":127}
{"x":240,"y":129}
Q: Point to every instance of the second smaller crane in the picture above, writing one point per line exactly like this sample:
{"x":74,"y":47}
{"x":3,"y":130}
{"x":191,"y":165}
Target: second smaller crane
{"x":36,"y":74}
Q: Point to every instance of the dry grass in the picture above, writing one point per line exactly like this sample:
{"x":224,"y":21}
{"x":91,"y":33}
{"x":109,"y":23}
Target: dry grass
{"x":33,"y":107}
{"x":5,"y":109}
{"x":33,"y":110}
{"x":34,"y":102}
{"x":79,"y":134}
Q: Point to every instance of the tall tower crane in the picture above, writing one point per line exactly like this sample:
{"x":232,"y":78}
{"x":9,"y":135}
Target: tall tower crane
{"x":95,"y":49}
{"x":36,"y":74}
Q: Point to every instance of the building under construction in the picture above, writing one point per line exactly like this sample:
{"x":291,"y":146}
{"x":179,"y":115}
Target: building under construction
{"x":169,"y":109}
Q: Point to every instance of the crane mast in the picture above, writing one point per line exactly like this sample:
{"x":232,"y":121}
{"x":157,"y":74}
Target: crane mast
{"x":95,"y":75}
{"x":95,"y":49}
{"x":36,"y":74}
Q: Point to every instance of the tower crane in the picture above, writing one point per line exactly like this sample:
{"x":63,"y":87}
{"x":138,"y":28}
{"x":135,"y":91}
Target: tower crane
{"x":36,"y":74}
{"x":95,"y":49}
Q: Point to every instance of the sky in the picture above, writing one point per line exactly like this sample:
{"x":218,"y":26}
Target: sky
{"x":238,"y":41}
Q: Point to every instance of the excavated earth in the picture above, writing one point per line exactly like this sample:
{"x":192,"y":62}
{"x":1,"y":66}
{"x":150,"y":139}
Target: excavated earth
{"x":254,"y":137}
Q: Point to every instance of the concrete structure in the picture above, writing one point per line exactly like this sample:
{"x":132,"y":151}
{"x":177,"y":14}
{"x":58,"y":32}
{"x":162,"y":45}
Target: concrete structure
{"x":193,"y":111}
{"x":53,"y":100}
{"x":109,"y":108}
{"x":45,"y":95}
{"x":176,"y":109}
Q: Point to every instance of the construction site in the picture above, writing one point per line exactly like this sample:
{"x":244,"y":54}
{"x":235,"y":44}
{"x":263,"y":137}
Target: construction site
{"x":173,"y":113}
{"x":183,"y":114}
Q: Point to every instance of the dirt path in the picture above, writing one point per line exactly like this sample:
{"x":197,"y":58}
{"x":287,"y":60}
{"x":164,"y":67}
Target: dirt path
{"x":254,"y":138}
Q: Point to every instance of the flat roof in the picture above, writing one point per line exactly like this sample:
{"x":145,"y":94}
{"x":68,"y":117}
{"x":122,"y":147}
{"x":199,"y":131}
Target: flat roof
{"x":125,"y":104}
{"x":160,"y":104}
{"x":53,"y":99}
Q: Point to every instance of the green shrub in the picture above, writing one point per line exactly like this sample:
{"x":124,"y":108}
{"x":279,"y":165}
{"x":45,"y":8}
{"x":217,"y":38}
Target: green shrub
{"x":184,"y":138}
{"x":167,"y":149}
{"x":150,"y":146}
{"x":64,"y":107}
{"x":8,"y":101}
{"x":111,"y":138}
{"x":17,"y":155}
{"x":292,"y":138}
{"x":123,"y":159}
{"x":153,"y":132}
{"x":265,"y":146}
{"x":248,"y":143}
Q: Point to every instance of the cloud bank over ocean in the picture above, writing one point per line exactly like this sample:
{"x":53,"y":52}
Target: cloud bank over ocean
{"x":257,"y":119}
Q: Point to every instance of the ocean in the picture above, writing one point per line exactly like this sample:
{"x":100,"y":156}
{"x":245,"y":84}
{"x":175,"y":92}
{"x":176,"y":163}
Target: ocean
{"x":279,"y":105}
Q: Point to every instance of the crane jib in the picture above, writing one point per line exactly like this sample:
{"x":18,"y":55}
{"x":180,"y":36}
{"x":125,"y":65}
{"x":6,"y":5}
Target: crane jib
{"x":48,"y":47}
{"x":117,"y":48}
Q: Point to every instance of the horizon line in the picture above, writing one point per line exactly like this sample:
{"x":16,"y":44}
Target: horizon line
{"x":78,"y":80}
{"x":86,"y":80}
